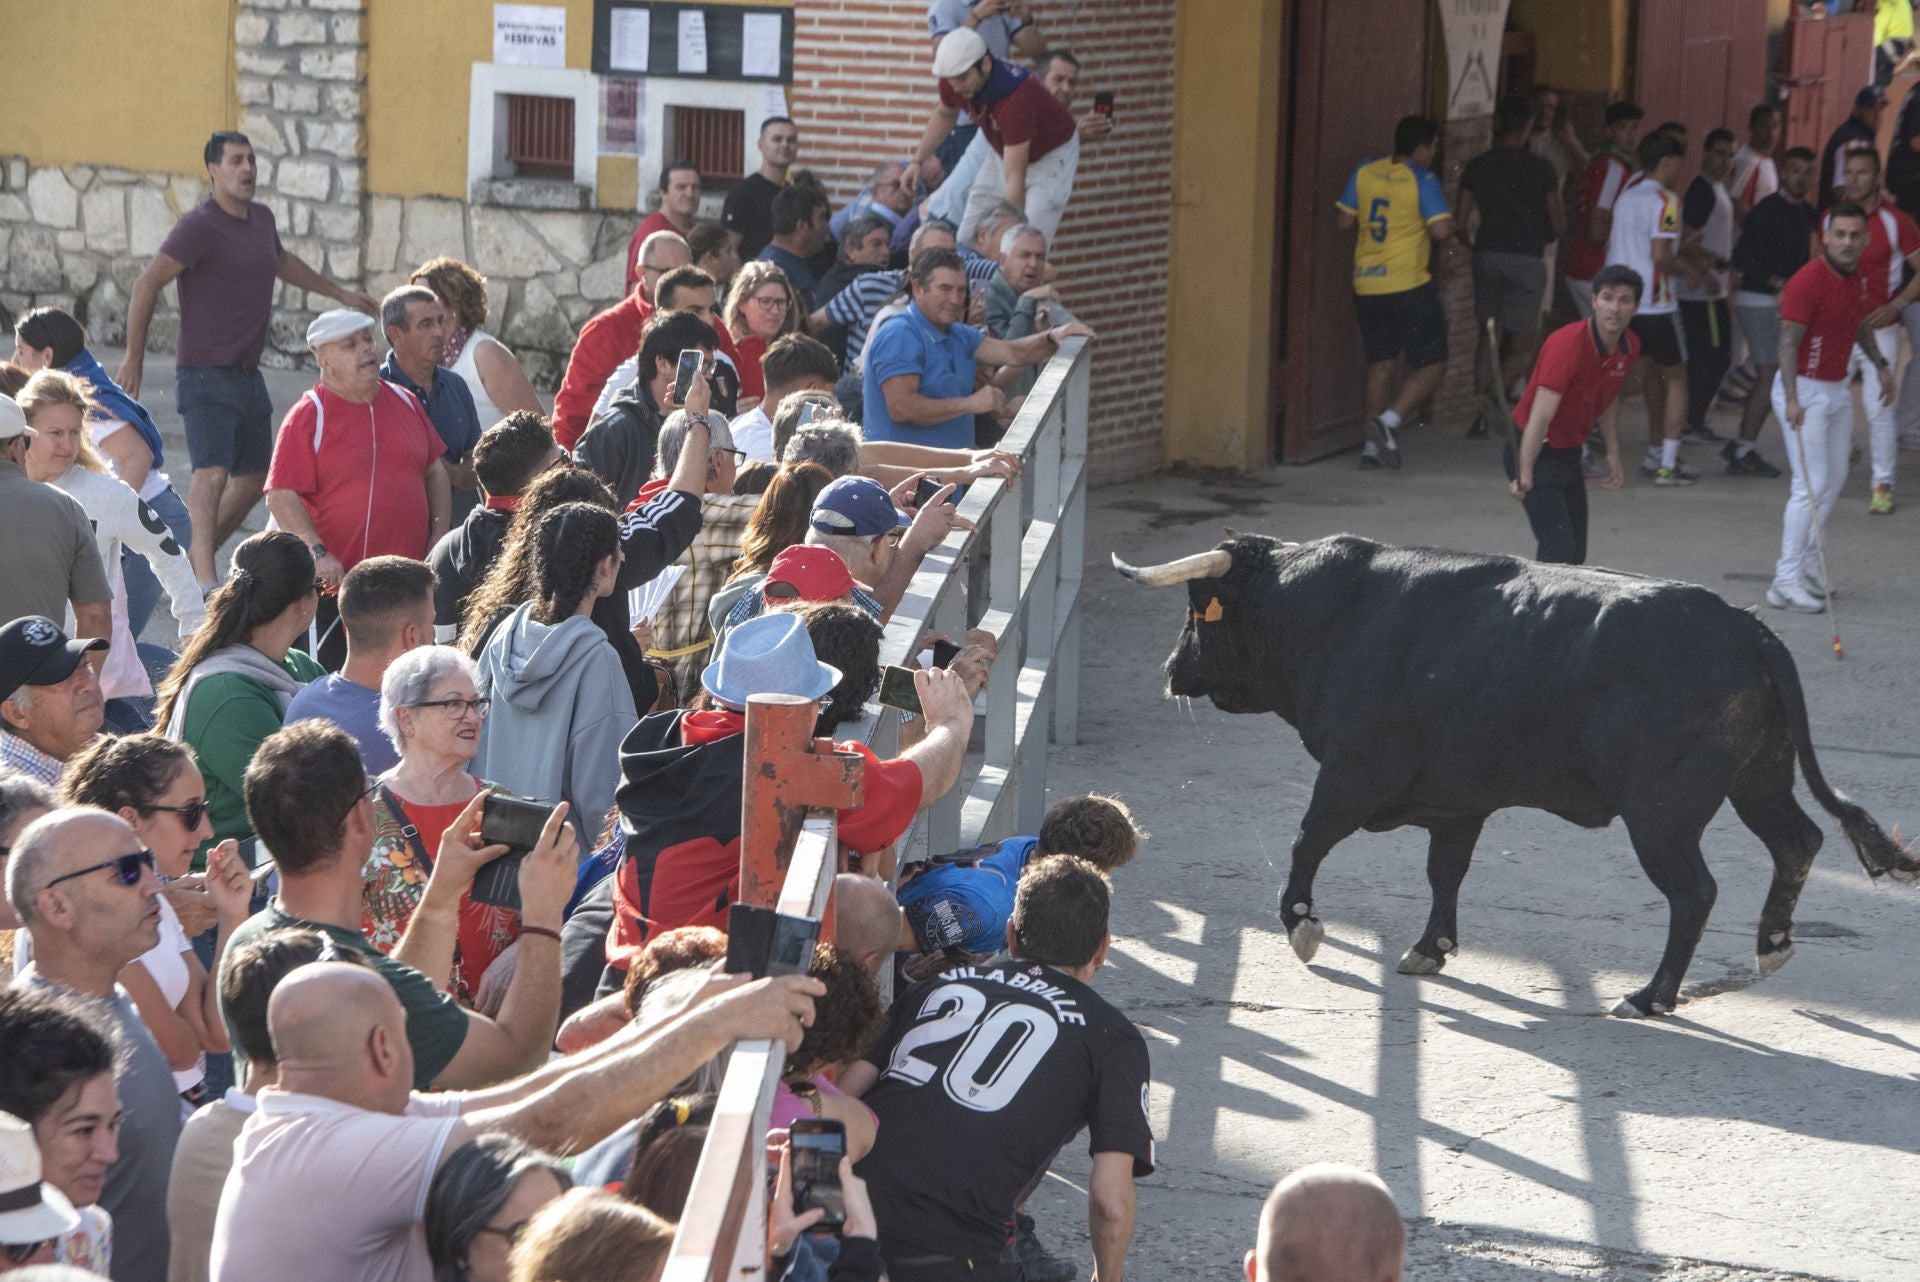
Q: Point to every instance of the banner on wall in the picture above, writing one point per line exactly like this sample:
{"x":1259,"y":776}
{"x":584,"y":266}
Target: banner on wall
{"x":623,"y":102}
{"x":1472,"y":30}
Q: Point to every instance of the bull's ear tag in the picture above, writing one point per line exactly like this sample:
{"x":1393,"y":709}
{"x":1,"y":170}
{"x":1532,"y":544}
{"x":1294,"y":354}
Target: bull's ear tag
{"x":1212,"y":614}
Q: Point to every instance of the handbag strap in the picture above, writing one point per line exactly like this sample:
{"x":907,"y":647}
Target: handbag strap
{"x":407,"y":828}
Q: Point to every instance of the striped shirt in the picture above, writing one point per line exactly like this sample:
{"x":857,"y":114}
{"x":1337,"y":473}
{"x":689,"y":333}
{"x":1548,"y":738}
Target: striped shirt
{"x":17,"y":754}
{"x":855,"y":306}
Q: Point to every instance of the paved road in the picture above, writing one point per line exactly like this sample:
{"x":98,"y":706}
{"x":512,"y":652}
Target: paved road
{"x":1767,"y":1127}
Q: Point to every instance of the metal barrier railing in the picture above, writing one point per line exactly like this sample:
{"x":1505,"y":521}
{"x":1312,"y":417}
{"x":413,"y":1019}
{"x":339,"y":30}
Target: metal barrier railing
{"x":1016,"y":575}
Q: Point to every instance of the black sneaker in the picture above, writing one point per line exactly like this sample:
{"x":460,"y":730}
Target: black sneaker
{"x":1701,"y":435}
{"x":1369,"y":461}
{"x":1751,"y":464}
{"x":1382,"y":437}
{"x":1036,"y":1265}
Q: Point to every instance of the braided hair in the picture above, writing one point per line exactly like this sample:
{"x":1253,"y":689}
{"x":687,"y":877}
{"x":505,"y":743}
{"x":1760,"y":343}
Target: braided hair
{"x":569,"y":544}
{"x":271,"y":571}
{"x":509,"y":580}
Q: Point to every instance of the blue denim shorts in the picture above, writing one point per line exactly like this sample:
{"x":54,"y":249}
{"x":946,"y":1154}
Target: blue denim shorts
{"x":228,"y":416}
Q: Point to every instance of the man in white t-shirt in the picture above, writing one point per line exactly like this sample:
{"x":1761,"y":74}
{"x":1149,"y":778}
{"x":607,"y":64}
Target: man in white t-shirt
{"x":332,"y":1170}
{"x":1754,"y":176}
{"x":1646,"y":237}
{"x":1706,"y":319}
{"x":793,"y":363}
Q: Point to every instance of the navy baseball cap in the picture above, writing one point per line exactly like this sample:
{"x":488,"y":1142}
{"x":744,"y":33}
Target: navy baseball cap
{"x":35,"y":652}
{"x":1870,"y":96}
{"x":856,"y":505}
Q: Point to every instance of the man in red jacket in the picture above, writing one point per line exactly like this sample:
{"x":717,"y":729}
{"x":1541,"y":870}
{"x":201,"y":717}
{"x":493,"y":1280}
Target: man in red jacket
{"x":611,"y":337}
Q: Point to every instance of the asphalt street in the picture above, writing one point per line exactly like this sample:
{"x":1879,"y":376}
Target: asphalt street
{"x":1768,"y":1129}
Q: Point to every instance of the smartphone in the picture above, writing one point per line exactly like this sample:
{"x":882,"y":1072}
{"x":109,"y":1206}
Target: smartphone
{"x":690,"y":361}
{"x":943,"y":652}
{"x":810,"y":411}
{"x":896,"y":690}
{"x":506,"y":821}
{"x":923,"y":492}
{"x":1103,"y":104}
{"x":817,"y":1145}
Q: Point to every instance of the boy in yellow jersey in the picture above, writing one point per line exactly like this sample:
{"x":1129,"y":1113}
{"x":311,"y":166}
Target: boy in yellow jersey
{"x":1400,"y":209}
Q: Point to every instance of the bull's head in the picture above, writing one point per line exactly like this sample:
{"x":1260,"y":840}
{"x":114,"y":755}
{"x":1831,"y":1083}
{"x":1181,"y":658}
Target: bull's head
{"x":1219,"y":653}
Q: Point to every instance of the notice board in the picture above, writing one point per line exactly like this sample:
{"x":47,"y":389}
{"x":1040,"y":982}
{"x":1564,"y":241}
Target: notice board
{"x":710,"y":41}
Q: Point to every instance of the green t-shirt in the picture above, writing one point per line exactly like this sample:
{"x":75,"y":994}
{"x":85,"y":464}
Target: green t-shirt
{"x":229,"y":716}
{"x":436,"y":1025}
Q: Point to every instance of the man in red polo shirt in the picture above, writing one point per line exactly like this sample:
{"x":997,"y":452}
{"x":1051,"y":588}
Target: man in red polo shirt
{"x":1034,"y":135}
{"x":1577,"y":380}
{"x":356,"y":469}
{"x":679,"y":799}
{"x":611,"y":337}
{"x":1827,"y":310}
{"x":1890,"y":271}
{"x":679,"y":203}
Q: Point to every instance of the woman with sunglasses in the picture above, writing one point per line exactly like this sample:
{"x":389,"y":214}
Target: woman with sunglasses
{"x":481,"y":1198}
{"x":231,"y":685}
{"x":761,"y":307}
{"x":432,"y":711}
{"x":152,"y":783}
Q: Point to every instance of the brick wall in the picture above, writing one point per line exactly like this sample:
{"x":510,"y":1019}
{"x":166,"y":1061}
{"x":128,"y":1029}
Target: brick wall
{"x":862,"y":92}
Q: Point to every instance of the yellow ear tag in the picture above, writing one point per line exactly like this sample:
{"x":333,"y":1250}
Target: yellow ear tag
{"x":1212,"y":614}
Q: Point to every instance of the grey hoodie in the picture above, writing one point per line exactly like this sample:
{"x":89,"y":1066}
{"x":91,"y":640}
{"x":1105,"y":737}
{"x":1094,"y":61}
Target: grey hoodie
{"x":561,"y":706}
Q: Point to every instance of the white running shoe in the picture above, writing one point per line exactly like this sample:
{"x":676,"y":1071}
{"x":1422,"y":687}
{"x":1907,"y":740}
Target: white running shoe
{"x":1795,"y":599}
{"x":1815,"y":585}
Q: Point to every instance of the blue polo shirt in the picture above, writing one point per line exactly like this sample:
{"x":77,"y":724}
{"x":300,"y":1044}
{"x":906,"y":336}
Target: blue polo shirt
{"x":449,"y":406}
{"x":968,"y":902}
{"x":910,"y":344}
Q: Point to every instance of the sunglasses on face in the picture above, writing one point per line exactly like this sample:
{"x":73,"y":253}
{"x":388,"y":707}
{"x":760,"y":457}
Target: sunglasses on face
{"x":190,"y":814}
{"x":127,"y":868}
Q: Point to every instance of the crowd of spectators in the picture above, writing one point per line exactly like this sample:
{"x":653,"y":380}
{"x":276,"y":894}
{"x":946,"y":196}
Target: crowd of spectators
{"x":1723,"y":289}
{"x":261,"y":937}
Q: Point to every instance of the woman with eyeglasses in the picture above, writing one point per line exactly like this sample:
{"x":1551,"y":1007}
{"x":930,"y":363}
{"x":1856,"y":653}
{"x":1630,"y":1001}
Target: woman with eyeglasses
{"x":481,"y":1198}
{"x":430,"y":707}
{"x":761,"y":307}
{"x":230,"y":687}
{"x":152,"y":783}
{"x":561,"y":702}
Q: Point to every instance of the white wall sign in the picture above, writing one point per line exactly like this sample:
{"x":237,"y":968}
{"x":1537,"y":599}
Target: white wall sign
{"x":1472,"y":29}
{"x":529,"y":35}
{"x":632,"y":40}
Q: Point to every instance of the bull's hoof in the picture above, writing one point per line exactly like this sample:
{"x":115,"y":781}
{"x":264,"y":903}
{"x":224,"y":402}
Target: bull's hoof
{"x":1415,"y":962}
{"x":1639,"y":1006}
{"x":1907,"y":870}
{"x":1306,"y":937}
{"x":1767,"y":963}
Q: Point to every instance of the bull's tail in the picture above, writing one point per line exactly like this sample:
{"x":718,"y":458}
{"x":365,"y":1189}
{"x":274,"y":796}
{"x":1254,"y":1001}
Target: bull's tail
{"x":1878,"y":853}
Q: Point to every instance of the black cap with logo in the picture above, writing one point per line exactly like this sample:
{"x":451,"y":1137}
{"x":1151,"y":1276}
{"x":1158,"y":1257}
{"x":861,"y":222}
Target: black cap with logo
{"x":35,"y":652}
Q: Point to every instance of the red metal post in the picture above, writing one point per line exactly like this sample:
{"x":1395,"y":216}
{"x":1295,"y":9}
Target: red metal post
{"x":788,"y":772}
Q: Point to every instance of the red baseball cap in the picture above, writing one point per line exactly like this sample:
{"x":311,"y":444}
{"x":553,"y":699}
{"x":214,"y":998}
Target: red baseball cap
{"x":814,"y":573}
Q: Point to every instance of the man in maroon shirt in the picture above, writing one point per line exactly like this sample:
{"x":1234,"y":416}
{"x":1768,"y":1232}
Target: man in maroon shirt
{"x":226,"y":254}
{"x":679,"y":204}
{"x":1034,"y":135}
{"x":1577,"y":380}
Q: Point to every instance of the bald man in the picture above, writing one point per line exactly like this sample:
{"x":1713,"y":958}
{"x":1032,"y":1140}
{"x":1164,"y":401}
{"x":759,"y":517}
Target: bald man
{"x":89,"y":900}
{"x":1329,"y":1223}
{"x":340,"y":1151}
{"x":611,"y":337}
{"x":867,"y":919}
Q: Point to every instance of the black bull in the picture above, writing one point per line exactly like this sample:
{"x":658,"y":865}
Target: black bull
{"x":1435,"y":688}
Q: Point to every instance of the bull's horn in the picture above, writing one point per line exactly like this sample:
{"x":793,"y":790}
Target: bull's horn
{"x":1201,"y":565}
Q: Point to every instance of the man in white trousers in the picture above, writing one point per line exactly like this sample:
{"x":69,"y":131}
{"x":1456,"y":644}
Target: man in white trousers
{"x":1826,"y":324}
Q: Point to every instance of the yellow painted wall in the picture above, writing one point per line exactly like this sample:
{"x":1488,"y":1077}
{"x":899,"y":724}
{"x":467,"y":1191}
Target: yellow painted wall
{"x":1578,"y":44}
{"x":1226,"y":114}
{"x":420,"y":55}
{"x":114,"y":82}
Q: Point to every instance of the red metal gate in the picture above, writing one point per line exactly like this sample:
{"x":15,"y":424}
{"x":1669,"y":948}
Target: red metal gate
{"x":1703,"y":62}
{"x":1824,"y":63}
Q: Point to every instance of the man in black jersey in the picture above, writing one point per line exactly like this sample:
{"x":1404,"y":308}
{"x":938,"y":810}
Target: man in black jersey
{"x":985,"y":1071}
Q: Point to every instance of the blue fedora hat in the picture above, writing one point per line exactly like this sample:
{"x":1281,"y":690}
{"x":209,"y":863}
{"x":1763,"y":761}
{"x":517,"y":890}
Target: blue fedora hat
{"x":770,"y":654}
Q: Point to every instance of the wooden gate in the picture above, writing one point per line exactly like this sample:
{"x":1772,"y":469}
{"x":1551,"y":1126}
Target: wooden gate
{"x":1823,"y":64}
{"x":1703,"y":62}
{"x":1349,"y":81}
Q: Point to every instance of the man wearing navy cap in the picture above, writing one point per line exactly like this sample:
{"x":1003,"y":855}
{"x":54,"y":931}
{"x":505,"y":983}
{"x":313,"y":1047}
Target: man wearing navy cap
{"x":1861,"y":129}
{"x":50,"y":703}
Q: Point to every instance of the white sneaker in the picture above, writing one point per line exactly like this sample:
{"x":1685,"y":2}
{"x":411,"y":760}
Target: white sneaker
{"x":1795,"y":599}
{"x":1815,"y":585}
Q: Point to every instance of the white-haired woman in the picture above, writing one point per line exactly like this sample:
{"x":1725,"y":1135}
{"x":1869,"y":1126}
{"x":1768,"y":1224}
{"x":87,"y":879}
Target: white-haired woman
{"x":430,"y":707}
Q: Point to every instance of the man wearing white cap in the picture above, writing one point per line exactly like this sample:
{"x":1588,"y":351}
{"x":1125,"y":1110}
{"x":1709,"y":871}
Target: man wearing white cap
{"x":1034,"y":136}
{"x":52,"y":560}
{"x":356,"y":469}
{"x":33,"y":1214}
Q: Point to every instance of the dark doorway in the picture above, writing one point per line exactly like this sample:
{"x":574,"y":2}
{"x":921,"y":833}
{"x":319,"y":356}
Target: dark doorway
{"x":1349,"y":77}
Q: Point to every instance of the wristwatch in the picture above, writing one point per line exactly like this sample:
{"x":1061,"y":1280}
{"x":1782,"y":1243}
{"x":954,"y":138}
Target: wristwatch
{"x":319,"y":550}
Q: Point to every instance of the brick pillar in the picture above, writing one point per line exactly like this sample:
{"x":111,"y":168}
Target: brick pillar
{"x":1453,"y":404}
{"x":302,"y":86}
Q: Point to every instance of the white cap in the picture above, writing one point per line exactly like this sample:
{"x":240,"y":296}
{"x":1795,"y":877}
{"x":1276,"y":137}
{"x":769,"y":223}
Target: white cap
{"x":958,"y":50}
{"x":30,"y":1210}
{"x":13,"y":419}
{"x":331,"y":327}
